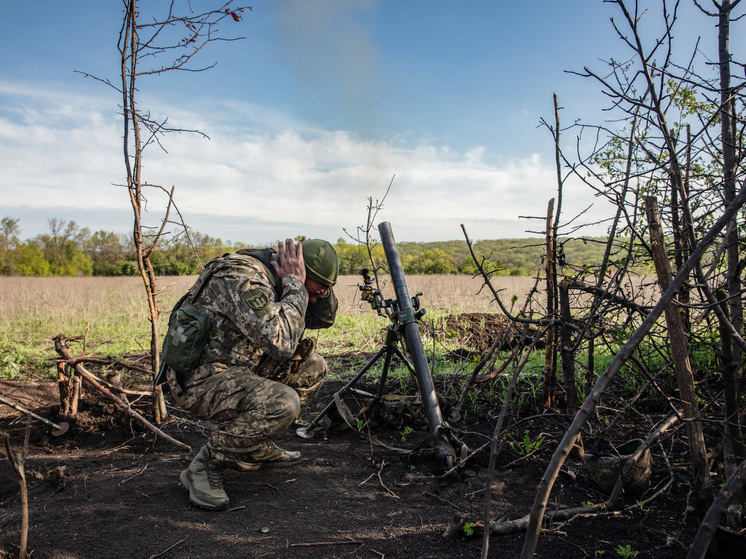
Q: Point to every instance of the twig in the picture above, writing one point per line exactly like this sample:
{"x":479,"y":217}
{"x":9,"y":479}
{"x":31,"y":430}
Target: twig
{"x":366,"y":480}
{"x":447,"y":502}
{"x":527,"y":455}
{"x":311,"y":544}
{"x":383,"y":484}
{"x":168,"y":549}
{"x":133,"y":476}
{"x":461,"y":463}
{"x":98,"y":361}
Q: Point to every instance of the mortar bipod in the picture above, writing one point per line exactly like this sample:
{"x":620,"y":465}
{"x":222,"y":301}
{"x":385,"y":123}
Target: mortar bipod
{"x":444,"y":448}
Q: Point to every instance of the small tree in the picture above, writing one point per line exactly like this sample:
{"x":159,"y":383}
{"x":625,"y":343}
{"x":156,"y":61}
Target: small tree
{"x":166,"y":41}
{"x":9,"y":231}
{"x":141,"y":42}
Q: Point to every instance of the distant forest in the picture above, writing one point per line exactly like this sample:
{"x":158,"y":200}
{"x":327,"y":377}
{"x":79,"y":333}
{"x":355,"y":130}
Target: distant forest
{"x":69,"y":250}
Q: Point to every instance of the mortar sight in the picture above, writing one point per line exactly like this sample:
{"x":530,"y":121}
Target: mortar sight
{"x":373,"y":296}
{"x":368,"y":292}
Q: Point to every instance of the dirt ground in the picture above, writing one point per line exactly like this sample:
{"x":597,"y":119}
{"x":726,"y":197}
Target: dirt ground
{"x":109,"y":488}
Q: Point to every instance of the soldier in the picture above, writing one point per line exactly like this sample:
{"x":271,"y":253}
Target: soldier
{"x":252,"y":372}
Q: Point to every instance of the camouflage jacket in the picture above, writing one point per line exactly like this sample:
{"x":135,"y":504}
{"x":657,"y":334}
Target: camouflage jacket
{"x":255,"y":313}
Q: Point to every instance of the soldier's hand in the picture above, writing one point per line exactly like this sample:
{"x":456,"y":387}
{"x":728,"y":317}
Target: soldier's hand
{"x":290,"y":260}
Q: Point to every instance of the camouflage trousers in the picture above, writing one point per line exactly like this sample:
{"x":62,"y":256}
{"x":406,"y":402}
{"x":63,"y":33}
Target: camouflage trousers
{"x":252,"y":409}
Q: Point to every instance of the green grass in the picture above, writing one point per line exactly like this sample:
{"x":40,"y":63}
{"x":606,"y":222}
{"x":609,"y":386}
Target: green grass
{"x":113,"y":316}
{"x":110,"y":312}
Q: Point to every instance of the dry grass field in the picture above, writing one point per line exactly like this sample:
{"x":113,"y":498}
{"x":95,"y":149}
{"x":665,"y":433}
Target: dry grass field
{"x":448,"y":294}
{"x":113,"y":312}
{"x":60,"y":302}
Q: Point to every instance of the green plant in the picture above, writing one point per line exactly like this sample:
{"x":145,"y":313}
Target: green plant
{"x":469,"y":528}
{"x":525,"y":446}
{"x":474,"y":405}
{"x":405,"y":432}
{"x":626,"y":551}
{"x":401,"y":375}
{"x":10,"y":363}
{"x":491,"y":394}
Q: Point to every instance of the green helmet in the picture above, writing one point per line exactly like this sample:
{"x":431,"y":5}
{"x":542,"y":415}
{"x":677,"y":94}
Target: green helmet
{"x":322,"y":264}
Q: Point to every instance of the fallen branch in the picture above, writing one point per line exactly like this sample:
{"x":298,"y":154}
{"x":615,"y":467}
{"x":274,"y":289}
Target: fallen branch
{"x":311,"y":544}
{"x":121,"y":389}
{"x":504,"y":527}
{"x":98,"y":361}
{"x":62,"y":349}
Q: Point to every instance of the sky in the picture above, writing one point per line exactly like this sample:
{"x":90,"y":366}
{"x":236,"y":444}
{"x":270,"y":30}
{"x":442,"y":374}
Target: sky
{"x":319,"y":109}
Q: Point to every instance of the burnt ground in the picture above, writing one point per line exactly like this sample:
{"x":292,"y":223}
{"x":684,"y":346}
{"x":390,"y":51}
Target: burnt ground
{"x":109,"y":488}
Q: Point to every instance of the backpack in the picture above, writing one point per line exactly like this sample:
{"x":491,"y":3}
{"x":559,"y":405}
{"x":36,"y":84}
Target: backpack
{"x":188,"y":330}
{"x":188,"y":327}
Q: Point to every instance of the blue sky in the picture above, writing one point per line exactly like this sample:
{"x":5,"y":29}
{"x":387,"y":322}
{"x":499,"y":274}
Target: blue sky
{"x":310,"y":115}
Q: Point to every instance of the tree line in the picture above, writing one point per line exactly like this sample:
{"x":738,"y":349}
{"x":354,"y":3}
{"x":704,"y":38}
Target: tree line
{"x":68,"y":249}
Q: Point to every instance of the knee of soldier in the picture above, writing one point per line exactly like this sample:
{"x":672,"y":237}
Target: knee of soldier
{"x":289,"y":403}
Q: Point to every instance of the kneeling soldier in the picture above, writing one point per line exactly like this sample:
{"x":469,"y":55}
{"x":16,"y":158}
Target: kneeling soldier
{"x":233,"y":353}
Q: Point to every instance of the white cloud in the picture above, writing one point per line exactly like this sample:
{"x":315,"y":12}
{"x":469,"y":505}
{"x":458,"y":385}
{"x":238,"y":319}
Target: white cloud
{"x":261,"y":176}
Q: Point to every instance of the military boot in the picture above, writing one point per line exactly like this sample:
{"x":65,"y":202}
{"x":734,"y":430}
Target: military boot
{"x":204,"y":481}
{"x":269,"y":454}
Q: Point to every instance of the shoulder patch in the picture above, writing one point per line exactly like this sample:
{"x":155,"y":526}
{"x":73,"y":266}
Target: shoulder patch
{"x":257,"y":300}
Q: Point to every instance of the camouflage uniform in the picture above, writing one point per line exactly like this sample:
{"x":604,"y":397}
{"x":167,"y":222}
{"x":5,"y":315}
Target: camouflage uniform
{"x":244,"y":379}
